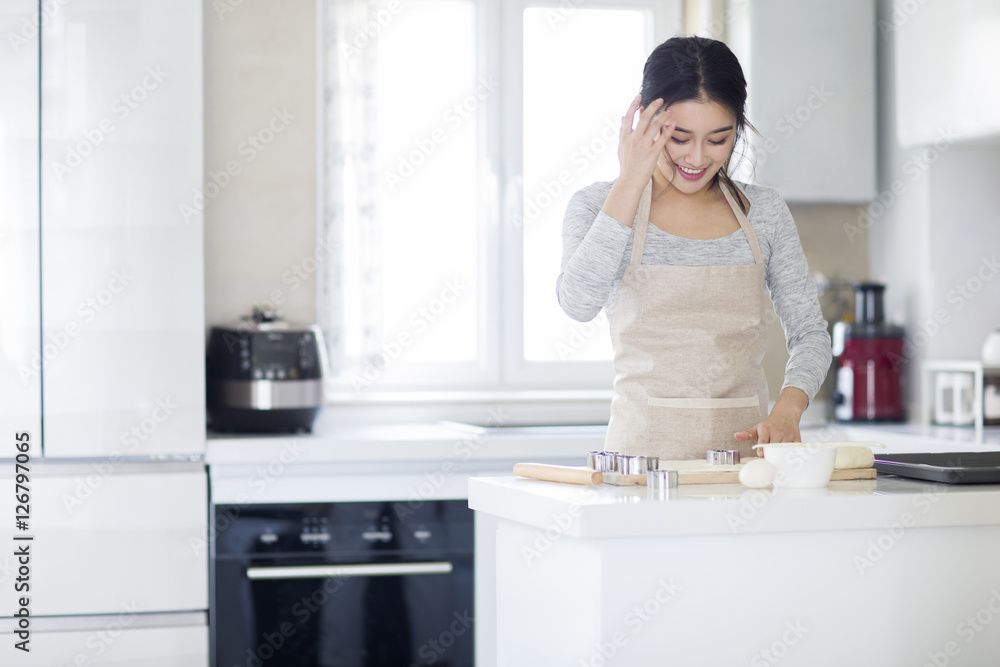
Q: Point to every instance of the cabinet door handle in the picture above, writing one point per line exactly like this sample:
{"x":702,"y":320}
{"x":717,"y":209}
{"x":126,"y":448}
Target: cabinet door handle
{"x":351,"y":570}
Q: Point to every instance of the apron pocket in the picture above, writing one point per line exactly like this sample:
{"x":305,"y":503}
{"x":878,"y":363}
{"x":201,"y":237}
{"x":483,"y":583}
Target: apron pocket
{"x":684,"y":428}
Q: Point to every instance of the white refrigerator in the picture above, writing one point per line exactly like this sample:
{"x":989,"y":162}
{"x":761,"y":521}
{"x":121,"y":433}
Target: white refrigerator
{"x":103,"y":513}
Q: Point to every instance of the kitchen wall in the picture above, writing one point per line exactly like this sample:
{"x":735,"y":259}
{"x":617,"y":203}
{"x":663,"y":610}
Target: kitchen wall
{"x":260,"y":120}
{"x":964,"y":189}
{"x":936,"y":219}
{"x":260,"y":229}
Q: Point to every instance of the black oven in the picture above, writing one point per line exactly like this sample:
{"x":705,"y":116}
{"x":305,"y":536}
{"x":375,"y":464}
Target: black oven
{"x":347,"y":584}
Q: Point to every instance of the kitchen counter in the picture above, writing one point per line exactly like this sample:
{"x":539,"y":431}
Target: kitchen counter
{"x":606,"y":511}
{"x":425,"y":461}
{"x":381,"y":462}
{"x":338,"y":462}
{"x":870,"y":572}
{"x":900,"y":438}
{"x":330,"y":443}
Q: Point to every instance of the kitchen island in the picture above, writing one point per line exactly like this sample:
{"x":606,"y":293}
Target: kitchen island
{"x":868,"y":572}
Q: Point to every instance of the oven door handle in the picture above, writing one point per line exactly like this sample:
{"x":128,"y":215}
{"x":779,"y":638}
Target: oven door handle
{"x":349,"y":570}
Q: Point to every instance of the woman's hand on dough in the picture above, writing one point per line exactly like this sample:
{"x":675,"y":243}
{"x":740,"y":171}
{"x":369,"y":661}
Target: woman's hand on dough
{"x":780,"y":426}
{"x":639,"y":148}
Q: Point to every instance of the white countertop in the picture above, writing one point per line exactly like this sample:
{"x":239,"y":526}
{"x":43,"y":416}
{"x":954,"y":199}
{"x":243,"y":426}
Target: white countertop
{"x":334,"y":443}
{"x":438,"y":441}
{"x":606,"y":511}
{"x":899,"y":438}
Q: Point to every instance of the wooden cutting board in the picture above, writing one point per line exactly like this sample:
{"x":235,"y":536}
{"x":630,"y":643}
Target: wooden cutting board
{"x":702,"y":472}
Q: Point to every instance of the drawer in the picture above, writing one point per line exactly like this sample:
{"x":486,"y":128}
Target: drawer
{"x":108,"y":537}
{"x":159,"y":640}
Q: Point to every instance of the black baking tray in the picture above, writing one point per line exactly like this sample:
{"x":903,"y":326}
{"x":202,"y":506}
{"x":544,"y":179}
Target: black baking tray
{"x":948,"y":467}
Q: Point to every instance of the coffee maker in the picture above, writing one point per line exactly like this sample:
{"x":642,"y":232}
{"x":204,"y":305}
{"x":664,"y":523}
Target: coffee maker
{"x":869,"y":353}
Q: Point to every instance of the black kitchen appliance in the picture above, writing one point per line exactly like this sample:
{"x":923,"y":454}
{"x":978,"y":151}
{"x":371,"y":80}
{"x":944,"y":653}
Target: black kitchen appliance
{"x":947,"y":467}
{"x":869,"y":354}
{"x":347,"y":584}
{"x":264,"y":375}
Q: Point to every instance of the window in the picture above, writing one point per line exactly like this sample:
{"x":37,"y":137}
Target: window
{"x":571,"y":118}
{"x":455,"y":132}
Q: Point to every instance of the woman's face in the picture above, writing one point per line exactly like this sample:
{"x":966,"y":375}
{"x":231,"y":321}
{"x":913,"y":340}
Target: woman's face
{"x":701,"y":143}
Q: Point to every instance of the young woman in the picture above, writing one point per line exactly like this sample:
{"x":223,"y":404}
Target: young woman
{"x":682,"y":259}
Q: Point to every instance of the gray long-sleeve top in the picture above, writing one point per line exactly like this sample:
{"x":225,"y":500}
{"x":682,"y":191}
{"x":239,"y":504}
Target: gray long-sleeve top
{"x":596,"y":250}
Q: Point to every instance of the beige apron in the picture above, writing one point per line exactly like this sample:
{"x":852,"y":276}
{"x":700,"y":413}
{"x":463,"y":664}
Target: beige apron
{"x":688,"y":342}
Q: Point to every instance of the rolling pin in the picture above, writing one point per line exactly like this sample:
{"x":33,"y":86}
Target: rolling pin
{"x":551,"y":473}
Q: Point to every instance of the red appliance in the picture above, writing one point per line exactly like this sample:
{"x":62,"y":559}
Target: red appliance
{"x":869,"y":357}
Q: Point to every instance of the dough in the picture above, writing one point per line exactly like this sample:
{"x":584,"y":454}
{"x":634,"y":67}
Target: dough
{"x":757,"y":474}
{"x":853,"y":457}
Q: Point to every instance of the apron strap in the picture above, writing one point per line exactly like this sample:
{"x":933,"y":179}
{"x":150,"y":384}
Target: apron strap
{"x":744,"y":223}
{"x":641,"y":224}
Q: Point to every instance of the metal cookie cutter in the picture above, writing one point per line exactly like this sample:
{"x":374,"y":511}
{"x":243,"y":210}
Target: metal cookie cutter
{"x":601,"y":461}
{"x":622,"y":464}
{"x":721,"y":457}
{"x":637,"y":465}
{"x":661,"y":484}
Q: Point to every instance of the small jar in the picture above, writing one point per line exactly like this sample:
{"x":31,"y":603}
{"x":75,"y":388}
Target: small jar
{"x":991,"y":349}
{"x":991,"y":400}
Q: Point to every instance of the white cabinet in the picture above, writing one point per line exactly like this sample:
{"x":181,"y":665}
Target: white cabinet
{"x":122,"y":263}
{"x":947,"y":74}
{"x":111,"y":642}
{"x":108,"y":535}
{"x":812,"y":96}
{"x":20,"y":363}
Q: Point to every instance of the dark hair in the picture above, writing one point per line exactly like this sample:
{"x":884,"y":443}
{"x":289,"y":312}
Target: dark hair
{"x":695,"y":68}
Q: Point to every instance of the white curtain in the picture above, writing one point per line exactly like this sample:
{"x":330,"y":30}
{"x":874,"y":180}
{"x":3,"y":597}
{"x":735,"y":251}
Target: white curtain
{"x":349,"y":287}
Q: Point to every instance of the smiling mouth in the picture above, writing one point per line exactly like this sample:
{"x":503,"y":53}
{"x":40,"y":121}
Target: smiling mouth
{"x":692,"y":172}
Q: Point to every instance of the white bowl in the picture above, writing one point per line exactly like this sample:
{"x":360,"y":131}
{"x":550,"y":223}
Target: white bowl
{"x":801,"y":467}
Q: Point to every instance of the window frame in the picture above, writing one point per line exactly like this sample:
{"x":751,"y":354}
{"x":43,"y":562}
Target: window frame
{"x":518,"y":371}
{"x":502,"y":369}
